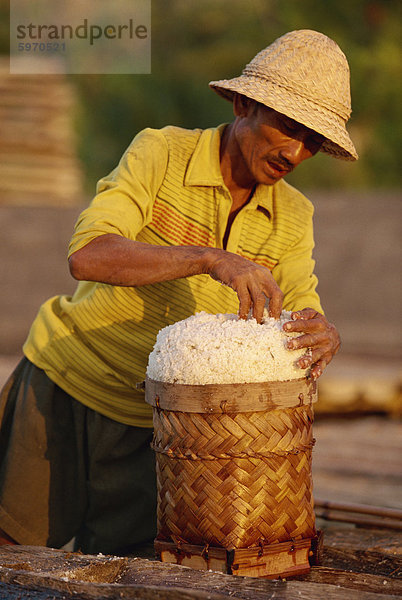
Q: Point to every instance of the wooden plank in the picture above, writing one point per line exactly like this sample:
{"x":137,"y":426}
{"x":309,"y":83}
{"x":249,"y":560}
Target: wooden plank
{"x":230,"y":397}
{"x":296,"y":590}
{"x":384,"y":541}
{"x":342,"y":517}
{"x":293,"y":591}
{"x":359,"y":514}
{"x":78,"y":575}
{"x":12,"y":591}
{"x":362,"y":509}
{"x":45,"y":588}
{"x":374,"y":563}
{"x":47,"y":585}
{"x":352,"y":580}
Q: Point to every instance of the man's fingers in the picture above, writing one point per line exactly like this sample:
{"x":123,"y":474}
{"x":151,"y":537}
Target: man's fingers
{"x":302,"y":325}
{"x":275,"y":295}
{"x":313,"y":356}
{"x":318,"y":368}
{"x":262,"y":287}
{"x":244,"y":301}
{"x":258,"y":300}
{"x":305,"y":313}
{"x":307,"y":340}
{"x":304,"y":362}
{"x":275,"y":303}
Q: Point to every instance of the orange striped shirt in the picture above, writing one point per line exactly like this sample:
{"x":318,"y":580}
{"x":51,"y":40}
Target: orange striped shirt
{"x":167,"y":190}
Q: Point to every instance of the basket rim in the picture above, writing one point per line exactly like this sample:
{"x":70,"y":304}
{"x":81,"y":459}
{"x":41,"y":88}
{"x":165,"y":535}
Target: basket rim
{"x":230,"y":397}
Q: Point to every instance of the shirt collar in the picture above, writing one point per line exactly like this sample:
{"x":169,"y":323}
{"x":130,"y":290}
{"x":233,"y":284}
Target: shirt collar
{"x":204,"y":166}
{"x":204,"y":170}
{"x":263,"y":197}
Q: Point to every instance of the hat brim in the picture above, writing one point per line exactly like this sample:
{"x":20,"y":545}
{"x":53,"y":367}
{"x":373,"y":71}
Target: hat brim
{"x":337,"y":140}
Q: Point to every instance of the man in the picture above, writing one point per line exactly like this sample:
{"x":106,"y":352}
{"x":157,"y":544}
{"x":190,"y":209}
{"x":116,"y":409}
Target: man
{"x":183,"y":213}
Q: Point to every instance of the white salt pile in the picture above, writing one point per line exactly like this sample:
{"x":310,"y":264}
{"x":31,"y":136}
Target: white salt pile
{"x":222,"y":348}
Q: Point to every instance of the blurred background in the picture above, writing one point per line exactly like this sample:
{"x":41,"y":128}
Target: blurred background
{"x":60,"y":134}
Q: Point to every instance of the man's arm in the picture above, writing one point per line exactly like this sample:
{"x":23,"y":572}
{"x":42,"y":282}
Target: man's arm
{"x":116,"y":260}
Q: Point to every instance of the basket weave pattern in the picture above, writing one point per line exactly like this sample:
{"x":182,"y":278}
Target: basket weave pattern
{"x":234,"y":480}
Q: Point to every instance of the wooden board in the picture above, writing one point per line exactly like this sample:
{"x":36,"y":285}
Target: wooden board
{"x":230,"y":397}
{"x":43,"y":574}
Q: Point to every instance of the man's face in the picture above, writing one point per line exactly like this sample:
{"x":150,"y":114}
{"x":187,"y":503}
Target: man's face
{"x":271,"y":144}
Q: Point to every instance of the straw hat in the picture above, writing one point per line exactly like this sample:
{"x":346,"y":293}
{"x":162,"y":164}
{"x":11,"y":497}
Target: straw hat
{"x":304,"y":75}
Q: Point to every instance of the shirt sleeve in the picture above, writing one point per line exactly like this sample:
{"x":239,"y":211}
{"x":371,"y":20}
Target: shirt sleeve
{"x":124,"y":199}
{"x":294,"y":273}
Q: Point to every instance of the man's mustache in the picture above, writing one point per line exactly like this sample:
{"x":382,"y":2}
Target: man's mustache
{"x":281,"y":162}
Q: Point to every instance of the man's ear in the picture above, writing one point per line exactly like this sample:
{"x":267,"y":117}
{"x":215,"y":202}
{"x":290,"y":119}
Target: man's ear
{"x":242,"y":105}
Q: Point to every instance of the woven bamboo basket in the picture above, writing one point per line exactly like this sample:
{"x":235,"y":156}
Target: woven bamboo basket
{"x":233,"y":462}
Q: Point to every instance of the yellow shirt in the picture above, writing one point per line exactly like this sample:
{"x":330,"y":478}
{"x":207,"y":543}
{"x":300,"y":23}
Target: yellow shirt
{"x":167,"y":190}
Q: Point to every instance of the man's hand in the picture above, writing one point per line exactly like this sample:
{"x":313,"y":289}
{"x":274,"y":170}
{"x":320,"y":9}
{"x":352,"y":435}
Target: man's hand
{"x":318,"y":334}
{"x":252,"y":283}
